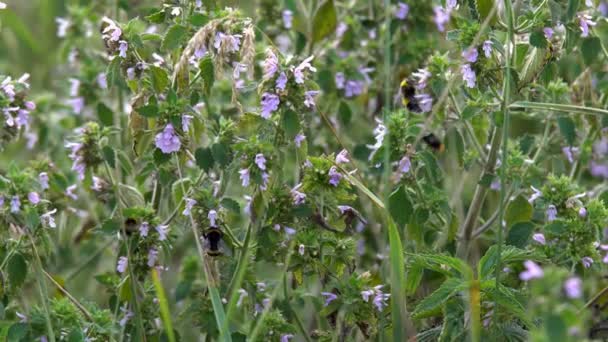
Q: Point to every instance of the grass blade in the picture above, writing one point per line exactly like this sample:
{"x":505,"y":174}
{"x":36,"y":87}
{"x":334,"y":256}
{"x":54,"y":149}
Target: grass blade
{"x":558,"y":107}
{"x":164,"y":306}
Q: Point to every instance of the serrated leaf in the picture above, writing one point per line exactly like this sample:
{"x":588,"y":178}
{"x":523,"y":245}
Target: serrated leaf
{"x":148,"y":111}
{"x":508,"y":299}
{"x":518,"y":210}
{"x":105,"y":114}
{"x":290,"y":124}
{"x":17,"y":332}
{"x":538,"y":39}
{"x":442,"y":263}
{"x":113,"y":72}
{"x":17,"y":270}
{"x":221,"y":154}
{"x":109,"y":156}
{"x":325,"y":21}
{"x":508,"y":255}
{"x":567,"y":128}
{"x":231,"y":205}
{"x":519,"y":234}
{"x":400,"y":207}
{"x":175,"y":36}
{"x":159,"y":79}
{"x":131,"y":196}
{"x":413,"y":278}
{"x":204,"y":158}
{"x":432,"y":304}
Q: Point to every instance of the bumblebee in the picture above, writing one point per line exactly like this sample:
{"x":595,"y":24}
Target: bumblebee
{"x":409,"y":100}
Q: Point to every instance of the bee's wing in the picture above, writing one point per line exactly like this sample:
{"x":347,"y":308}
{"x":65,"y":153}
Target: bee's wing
{"x":224,"y":248}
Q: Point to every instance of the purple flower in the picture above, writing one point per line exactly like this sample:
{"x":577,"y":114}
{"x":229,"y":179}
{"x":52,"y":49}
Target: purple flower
{"x":242,"y":295}
{"x":69,"y":191}
{"x":144,"y":229}
{"x":62,"y":26}
{"x":112,"y":31}
{"x":339,"y":79}
{"x":287,"y":19}
{"x":600,"y":147}
{"x":341,"y":29}
{"x":74,"y":87}
{"x":212,"y":216}
{"x":380,"y":300}
{"x":487,"y":48}
{"x":470,"y":55}
{"x":569,"y":152}
{"x":451,"y":4}
{"x":402,"y":11}
{"x":23,"y":117}
{"x":584,"y":23}
{"x":334,"y":176}
{"x":422,"y":76}
{"x":298,"y":72}
{"x":551,"y":213}
{"x":152,"y":257}
{"x":425,"y":101}
{"x":329,"y":297}
{"x":102,"y":80}
{"x":537,"y":193}
{"x":265,"y":177}
{"x":548,"y":32}
{"x":33,"y":197}
{"x":167,"y":141}
{"x":405,"y":165}
{"x":309,"y":98}
{"x":128,"y":314}
{"x":121,"y":266}
{"x":342,"y":157}
{"x":48,"y":219}
{"x":582,"y":212}
{"x":188,"y":208}
{"x":162,"y":231}
{"x":97,"y":184}
{"x":30,"y":105}
{"x":281,"y":81}
{"x":573,"y":287}
{"x":598,"y":170}
{"x":260,"y":161}
{"x":244,"y":176}
{"x":366,"y":294}
{"x":441,"y":18}
{"x":297,"y":196}
{"x":289,"y":231}
{"x":230,"y":42}
{"x":270,"y":64}
{"x":186,"y":120}
{"x":22,"y":317}
{"x":532,"y":271}
{"x":468,"y":75}
{"x":286,"y":337}
{"x":353,"y":88}
{"x":270,"y":103}
{"x":43,"y":180}
{"x":131,"y":74}
{"x":15,"y":204}
{"x":298,"y":139}
{"x":540,"y":238}
{"x":77,"y":104}
{"x":587,"y":262}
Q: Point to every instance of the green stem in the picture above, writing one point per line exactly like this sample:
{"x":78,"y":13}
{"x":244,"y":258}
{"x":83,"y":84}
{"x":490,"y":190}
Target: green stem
{"x":42,"y":289}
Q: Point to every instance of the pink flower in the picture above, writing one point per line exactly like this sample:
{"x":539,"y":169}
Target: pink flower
{"x":532,"y":271}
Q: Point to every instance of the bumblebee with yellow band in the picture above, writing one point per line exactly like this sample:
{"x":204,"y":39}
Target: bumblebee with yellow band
{"x":409,"y":100}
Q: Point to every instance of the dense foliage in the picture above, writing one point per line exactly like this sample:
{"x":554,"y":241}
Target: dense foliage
{"x":280,"y":170}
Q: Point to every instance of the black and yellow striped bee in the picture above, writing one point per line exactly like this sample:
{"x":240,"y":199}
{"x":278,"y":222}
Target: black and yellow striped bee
{"x":409,"y":100}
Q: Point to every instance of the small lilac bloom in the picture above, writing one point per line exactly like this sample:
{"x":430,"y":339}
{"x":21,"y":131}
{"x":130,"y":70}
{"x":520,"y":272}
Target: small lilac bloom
{"x":422,"y":76}
{"x":353,"y":88}
{"x":188,"y":208}
{"x":121,"y":266}
{"x":402,"y":11}
{"x":537,"y":193}
{"x":297,"y":196}
{"x":287,"y":19}
{"x":425,"y":101}
{"x":573,"y":287}
{"x":584,"y":23}
{"x":167,"y":141}
{"x":470,"y":55}
{"x":548,"y":32}
{"x":144,"y":229}
{"x":366,"y":294}
{"x":128,"y":314}
{"x":301,"y":249}
{"x":270,"y":64}
{"x":286,"y":337}
{"x":468,"y":75}
{"x":441,"y":18}
{"x":242,"y":295}
{"x":289,"y":231}
{"x":532,"y":271}
{"x":30,"y":105}
{"x":281,"y":81}
{"x":551,"y":213}
{"x":380,"y":300}
{"x":77,"y":104}
{"x":339,"y":79}
{"x":230,"y":42}
{"x":33,"y":197}
{"x":587,"y":262}
{"x":298,"y":139}
{"x":598,"y":170}
{"x":334,"y":176}
{"x":329,"y":297}
{"x":495,"y":185}
{"x":43,"y":180}
{"x":405,"y":165}
{"x":212,"y":216}
{"x":112,"y":31}
{"x":48,"y":218}
{"x":540,"y":238}
{"x":451,"y":4}
{"x":342,"y":157}
{"x":270,"y":103}
{"x":569,"y":152}
{"x":605,"y":259}
{"x":102,"y":80}
{"x":309,"y":98}
{"x":162,"y":231}
{"x":260,"y":161}
{"x":244,"y":176}
{"x":15,"y":204}
{"x":122,"y":49}
{"x":298,"y":71}
{"x":341,"y":29}
{"x":152,"y":257}
{"x":265,"y":178}
{"x":70,"y":192}
{"x":62,"y":27}
{"x":186,"y":120}
{"x":22,"y":317}
{"x":487,"y":48}
{"x":131,"y":74}
{"x":74,"y":87}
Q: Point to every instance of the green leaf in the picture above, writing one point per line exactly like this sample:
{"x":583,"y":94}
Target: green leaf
{"x":178,"y":188}
{"x":17,"y":332}
{"x":199,"y":19}
{"x":590,"y":49}
{"x":165,"y":314}
{"x":538,"y":39}
{"x":400,"y":206}
{"x":572,"y":9}
{"x":413,"y":278}
{"x":131,"y":196}
{"x":518,"y":210}
{"x":519,"y":234}
{"x":207,"y":71}
{"x":442,"y":263}
{"x":555,"y":328}
{"x":508,"y":255}
{"x":397,"y":262}
{"x":221,"y":154}
{"x":175,"y":36}
{"x":558,"y":107}
{"x":148,"y":111}
{"x":159,"y":79}
{"x":204,"y":158}
{"x":325,"y":21}
{"x":509,"y":299}
{"x":567,"y":128}
{"x":109,"y":156}
{"x":17,"y":270}
{"x":290,"y":124}
{"x":433,"y":303}
{"x":231,"y":205}
{"x":344,"y":113}
{"x":105,"y":114}
{"x":484,"y":8}
{"x":113,"y":72}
